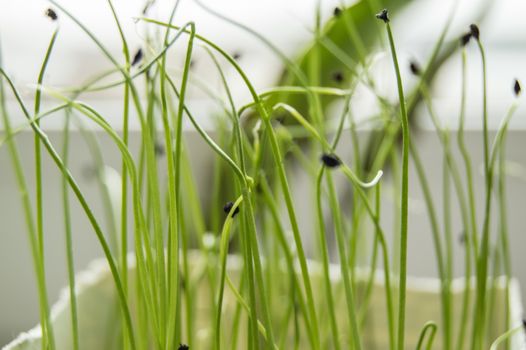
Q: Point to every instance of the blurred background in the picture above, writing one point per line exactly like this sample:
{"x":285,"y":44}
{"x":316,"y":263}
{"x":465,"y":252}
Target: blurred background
{"x":288,"y":24}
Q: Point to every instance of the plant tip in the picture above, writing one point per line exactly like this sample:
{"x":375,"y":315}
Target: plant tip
{"x":337,"y":11}
{"x":280,"y":118}
{"x":383,"y":15}
{"x":415,"y":68}
{"x":338,"y":77}
{"x":228,"y":206}
{"x":474,"y":30}
{"x":183,"y":347}
{"x":462,"y":237}
{"x":90,"y":172}
{"x":517,"y":88}
{"x":158,"y":148}
{"x":464,"y":39}
{"x":330,"y":160}
{"x":137,"y":57}
{"x":147,"y":6}
{"x":51,"y":14}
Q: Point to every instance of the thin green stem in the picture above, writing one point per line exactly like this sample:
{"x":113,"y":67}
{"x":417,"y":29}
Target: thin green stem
{"x":174,"y":183}
{"x":325,"y":261}
{"x":243,"y":303}
{"x":498,"y":153}
{"x":47,"y":325}
{"x":124,"y":174}
{"x":253,"y":339}
{"x":345,"y":269}
{"x":483,"y":257}
{"x":374,"y":259}
{"x":503,"y":225}
{"x":446,"y":202}
{"x":467,"y":159}
{"x":404,"y":198}
{"x":471,"y":240}
{"x":69,"y":239}
{"x":206,"y":137}
{"x":223,"y":252}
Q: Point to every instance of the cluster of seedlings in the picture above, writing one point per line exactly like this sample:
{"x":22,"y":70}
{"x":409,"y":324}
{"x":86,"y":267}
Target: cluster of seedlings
{"x":274,"y":300}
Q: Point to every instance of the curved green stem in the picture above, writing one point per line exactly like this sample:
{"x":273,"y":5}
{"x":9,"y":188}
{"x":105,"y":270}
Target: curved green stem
{"x":297,"y":90}
{"x":431,"y":328}
{"x":505,"y":336}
